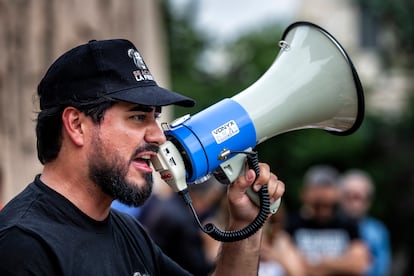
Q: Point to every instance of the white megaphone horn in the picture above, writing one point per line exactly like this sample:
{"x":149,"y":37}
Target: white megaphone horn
{"x":311,"y":84}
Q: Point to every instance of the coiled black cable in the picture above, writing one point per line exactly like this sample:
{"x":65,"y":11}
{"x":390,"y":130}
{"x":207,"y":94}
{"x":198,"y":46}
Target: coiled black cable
{"x":257,"y":223}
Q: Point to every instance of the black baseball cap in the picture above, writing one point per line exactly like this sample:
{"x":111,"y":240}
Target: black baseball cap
{"x":106,"y":68}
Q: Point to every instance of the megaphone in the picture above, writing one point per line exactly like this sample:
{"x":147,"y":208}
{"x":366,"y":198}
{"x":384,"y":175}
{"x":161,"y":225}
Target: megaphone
{"x":311,"y":84}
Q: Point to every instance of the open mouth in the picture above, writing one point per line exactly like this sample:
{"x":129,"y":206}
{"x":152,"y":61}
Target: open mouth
{"x":146,"y":159}
{"x":142,"y":162}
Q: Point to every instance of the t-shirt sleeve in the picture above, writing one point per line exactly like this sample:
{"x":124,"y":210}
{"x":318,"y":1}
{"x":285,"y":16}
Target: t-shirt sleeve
{"x":23,"y":254}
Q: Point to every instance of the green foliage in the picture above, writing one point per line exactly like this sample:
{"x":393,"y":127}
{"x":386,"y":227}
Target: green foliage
{"x":394,"y":17}
{"x":185,"y":47}
{"x":249,"y":58}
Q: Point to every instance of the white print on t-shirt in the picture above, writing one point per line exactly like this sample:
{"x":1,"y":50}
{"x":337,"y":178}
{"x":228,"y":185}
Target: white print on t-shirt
{"x":140,"y":274}
{"x":316,"y":244}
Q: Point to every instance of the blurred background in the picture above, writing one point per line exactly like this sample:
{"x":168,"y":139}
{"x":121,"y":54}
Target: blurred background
{"x":213,"y":49}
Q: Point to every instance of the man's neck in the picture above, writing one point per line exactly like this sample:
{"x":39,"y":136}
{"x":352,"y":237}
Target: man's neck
{"x":78,"y":189}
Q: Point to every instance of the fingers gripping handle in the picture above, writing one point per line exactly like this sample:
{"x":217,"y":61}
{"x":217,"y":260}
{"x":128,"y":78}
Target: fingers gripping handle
{"x":256,"y":199}
{"x":253,"y":163}
{"x":234,"y":167}
{"x":257,"y":223}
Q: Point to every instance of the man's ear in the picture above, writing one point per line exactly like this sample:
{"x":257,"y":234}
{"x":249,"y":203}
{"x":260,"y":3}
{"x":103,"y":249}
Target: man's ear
{"x":73,"y":121}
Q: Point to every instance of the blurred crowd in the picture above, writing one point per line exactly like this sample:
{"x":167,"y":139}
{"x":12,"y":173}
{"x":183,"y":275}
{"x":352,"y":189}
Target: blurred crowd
{"x":331,"y":233}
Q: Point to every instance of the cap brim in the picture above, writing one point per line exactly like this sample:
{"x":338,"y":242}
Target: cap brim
{"x":152,"y":95}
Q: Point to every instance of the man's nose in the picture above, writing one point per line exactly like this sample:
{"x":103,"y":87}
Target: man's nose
{"x":155,"y":134}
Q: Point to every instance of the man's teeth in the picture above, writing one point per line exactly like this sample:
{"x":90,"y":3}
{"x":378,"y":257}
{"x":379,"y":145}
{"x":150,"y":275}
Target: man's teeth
{"x":146,"y":157}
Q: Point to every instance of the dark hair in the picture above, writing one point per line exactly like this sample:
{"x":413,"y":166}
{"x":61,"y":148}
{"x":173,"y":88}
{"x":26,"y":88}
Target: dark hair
{"x":49,"y":124}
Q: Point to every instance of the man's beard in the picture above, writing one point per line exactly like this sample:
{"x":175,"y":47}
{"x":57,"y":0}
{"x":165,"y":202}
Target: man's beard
{"x":110,"y":176}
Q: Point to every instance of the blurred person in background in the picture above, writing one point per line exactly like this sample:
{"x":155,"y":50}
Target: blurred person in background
{"x":122,"y":207}
{"x":357,"y":194}
{"x":278,"y":255}
{"x":329,"y":243}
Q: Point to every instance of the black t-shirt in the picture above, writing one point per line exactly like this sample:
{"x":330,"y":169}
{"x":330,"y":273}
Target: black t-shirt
{"x":42,"y":233}
{"x":173,"y":228}
{"x":322,"y":240}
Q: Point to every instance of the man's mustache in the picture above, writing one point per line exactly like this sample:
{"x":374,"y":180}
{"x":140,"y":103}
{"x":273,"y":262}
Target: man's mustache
{"x":146,"y":147}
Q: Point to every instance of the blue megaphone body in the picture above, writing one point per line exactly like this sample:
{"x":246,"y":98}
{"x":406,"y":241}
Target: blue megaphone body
{"x":206,"y":137}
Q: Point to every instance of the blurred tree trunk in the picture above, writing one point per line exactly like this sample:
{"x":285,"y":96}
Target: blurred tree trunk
{"x":32,"y":35}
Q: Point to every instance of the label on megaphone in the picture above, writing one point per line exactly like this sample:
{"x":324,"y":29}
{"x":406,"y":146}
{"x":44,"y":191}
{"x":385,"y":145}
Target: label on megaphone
{"x":225,"y":131}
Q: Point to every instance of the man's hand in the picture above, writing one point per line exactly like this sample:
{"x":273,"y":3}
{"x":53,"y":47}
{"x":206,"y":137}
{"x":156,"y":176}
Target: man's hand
{"x":242,"y":210}
{"x":242,"y":257}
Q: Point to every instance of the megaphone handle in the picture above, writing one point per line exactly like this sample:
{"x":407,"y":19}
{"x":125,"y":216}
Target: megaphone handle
{"x":253,"y":162}
{"x":257,"y":223}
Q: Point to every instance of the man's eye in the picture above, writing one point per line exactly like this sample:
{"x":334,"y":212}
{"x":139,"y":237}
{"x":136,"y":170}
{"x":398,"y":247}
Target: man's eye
{"x":139,"y":117}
